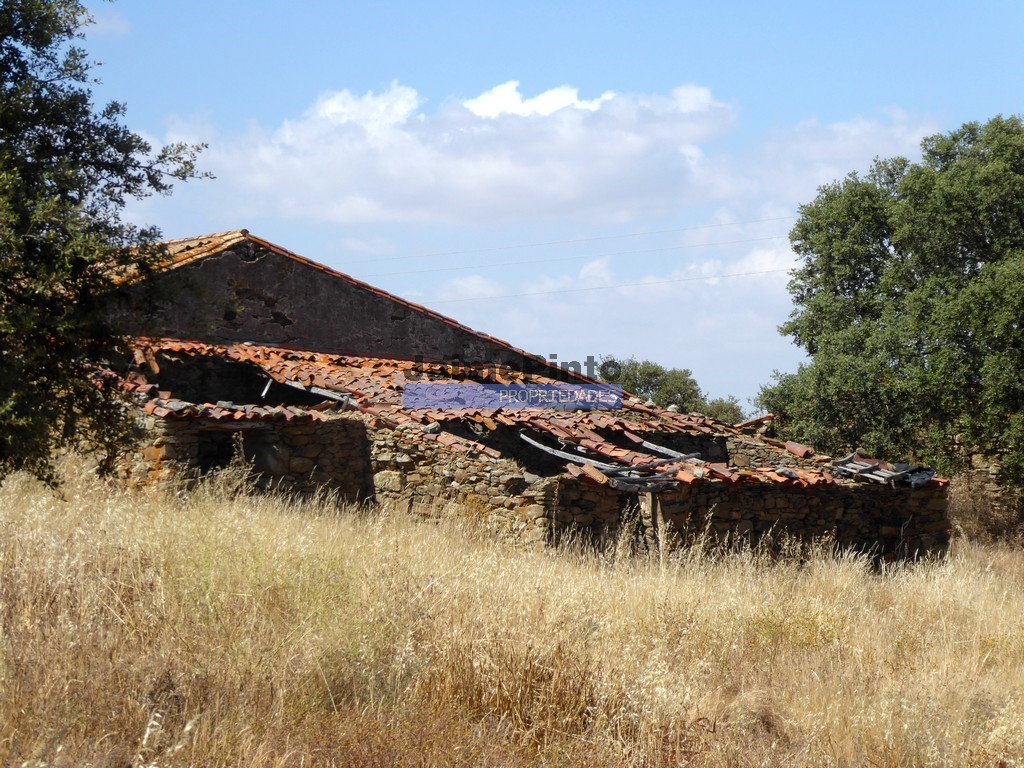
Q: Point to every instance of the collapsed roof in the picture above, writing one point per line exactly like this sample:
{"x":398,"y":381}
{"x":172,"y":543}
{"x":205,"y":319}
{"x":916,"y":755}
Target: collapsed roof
{"x":614,"y":447}
{"x":342,"y":344}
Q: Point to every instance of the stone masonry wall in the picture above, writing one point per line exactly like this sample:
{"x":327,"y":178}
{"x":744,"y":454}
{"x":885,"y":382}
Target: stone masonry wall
{"x":411,"y":468}
{"x":750,"y":453}
{"x":360,"y":458}
{"x":885,"y":521}
{"x":250,"y":294}
{"x":982,"y":503}
{"x":357,"y":458}
{"x":301,"y":457}
{"x":882,"y":520}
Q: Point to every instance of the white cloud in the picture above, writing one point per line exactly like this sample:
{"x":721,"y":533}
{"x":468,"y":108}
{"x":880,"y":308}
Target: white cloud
{"x":767,"y":260}
{"x":472,"y":287}
{"x":716,"y":314}
{"x":792,"y":163}
{"x":374,"y":246}
{"x":505,"y":99}
{"x":504,"y":157}
{"x":496,"y":158}
{"x":723,"y":328}
{"x":374,"y":113}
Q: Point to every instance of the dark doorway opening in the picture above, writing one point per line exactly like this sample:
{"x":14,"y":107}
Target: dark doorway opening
{"x":215,"y":449}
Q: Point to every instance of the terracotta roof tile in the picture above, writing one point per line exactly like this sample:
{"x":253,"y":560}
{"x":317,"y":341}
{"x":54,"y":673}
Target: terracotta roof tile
{"x":799,"y":450}
{"x":756,"y":422}
{"x":594,"y":474}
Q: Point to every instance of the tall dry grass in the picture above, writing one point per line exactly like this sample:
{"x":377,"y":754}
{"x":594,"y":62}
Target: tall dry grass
{"x":228,"y":630}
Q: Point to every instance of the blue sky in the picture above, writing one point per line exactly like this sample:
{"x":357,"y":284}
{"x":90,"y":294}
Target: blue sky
{"x":577,"y":178}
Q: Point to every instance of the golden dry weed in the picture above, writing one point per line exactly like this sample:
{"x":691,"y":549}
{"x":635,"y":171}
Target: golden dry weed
{"x":218,"y":629}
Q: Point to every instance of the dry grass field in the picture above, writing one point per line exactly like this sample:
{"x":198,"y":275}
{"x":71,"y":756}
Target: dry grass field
{"x":223,"y":630}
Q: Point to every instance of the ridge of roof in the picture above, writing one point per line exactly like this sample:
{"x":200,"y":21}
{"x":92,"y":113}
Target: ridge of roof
{"x":188,"y":250}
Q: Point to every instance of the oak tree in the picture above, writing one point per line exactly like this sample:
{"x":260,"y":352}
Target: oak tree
{"x":668,"y":386}
{"x":67,"y":168}
{"x":909,"y":303}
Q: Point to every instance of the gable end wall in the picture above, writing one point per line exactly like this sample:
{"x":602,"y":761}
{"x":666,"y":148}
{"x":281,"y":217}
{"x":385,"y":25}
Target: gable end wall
{"x":249,"y":294}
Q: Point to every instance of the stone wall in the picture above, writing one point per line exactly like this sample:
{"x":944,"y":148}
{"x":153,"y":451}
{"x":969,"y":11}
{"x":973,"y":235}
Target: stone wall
{"x":981,"y":503}
{"x":865,"y":516}
{"x":360,"y":458}
{"x":744,"y":453}
{"x":868,"y":517}
{"x":355,"y":457}
{"x":294,"y":456}
{"x":884,"y":521}
{"x":412,"y":467}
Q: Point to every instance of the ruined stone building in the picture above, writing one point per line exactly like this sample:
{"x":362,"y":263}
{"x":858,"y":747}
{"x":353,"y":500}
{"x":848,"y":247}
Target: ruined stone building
{"x":246,"y":343}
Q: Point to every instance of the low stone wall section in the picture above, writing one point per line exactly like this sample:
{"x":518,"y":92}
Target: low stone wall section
{"x":884,"y":521}
{"x":745,"y":453}
{"x":983,"y":504}
{"x":878,"y":519}
{"x":300,"y":457}
{"x":408,"y":467}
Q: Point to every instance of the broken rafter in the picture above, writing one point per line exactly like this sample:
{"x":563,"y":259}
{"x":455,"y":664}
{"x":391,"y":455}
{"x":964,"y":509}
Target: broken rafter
{"x":345,"y":400}
{"x":646,"y":485}
{"x":615,"y":476}
{"x":643,"y":467}
{"x":568,"y":456}
{"x":869,"y":470}
{"x":690,"y":458}
{"x":212,"y":425}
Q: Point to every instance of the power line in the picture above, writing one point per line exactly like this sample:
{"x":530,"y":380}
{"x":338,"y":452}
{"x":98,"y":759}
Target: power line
{"x":573,"y":241}
{"x":428,"y":302}
{"x":577,"y":257}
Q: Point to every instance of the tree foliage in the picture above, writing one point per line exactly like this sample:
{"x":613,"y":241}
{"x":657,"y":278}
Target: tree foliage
{"x":66,"y":170}
{"x":668,"y":386}
{"x":725,"y":409}
{"x":909,"y":302}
